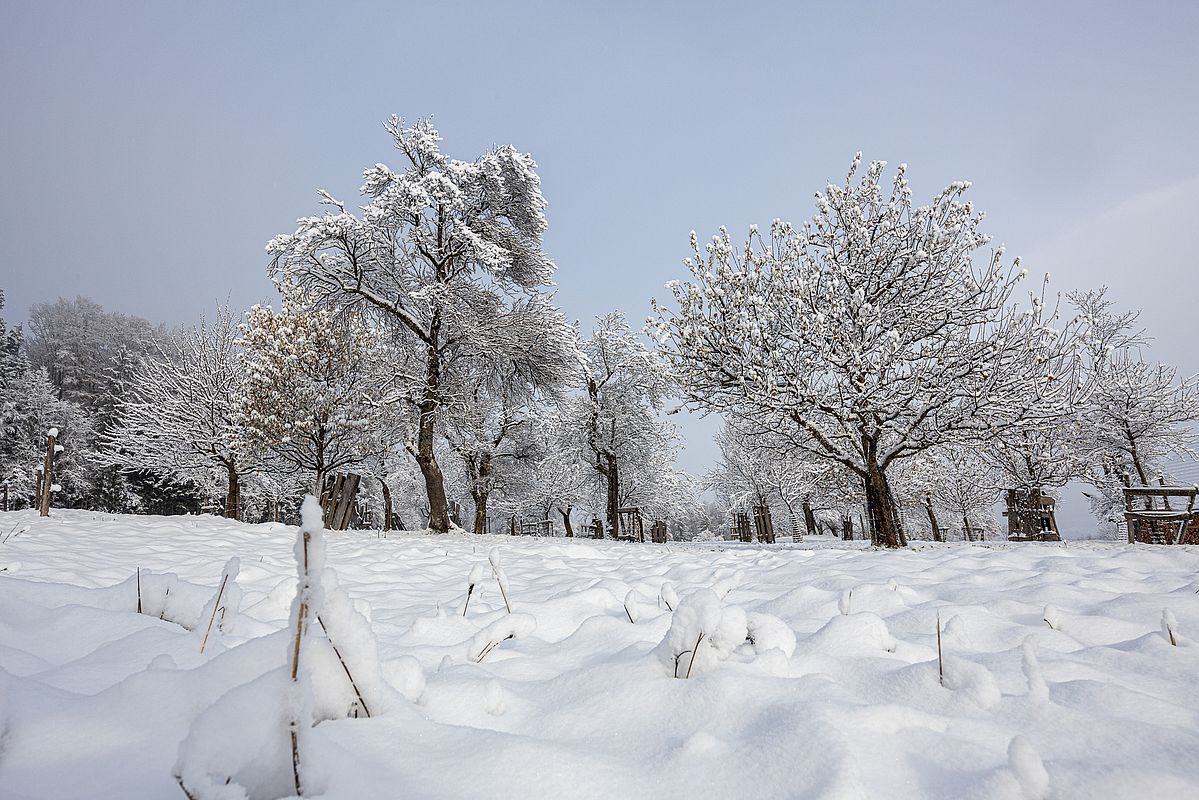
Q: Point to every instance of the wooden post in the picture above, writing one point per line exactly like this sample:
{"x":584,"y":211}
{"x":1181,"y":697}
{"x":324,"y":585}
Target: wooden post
{"x":6,"y":497}
{"x":47,"y":482}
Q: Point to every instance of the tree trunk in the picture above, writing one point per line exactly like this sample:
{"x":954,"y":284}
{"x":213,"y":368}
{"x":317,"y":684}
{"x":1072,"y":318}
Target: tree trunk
{"x":932,"y":519}
{"x":885,"y":529}
{"x":809,"y":519}
{"x":430,"y":470}
{"x":570,"y":531}
{"x":613,"y":476}
{"x":386,"y":505}
{"x":480,"y":499}
{"x":233,"y":494}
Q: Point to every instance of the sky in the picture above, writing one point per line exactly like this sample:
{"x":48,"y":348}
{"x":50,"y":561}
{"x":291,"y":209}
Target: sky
{"x":148,"y":151}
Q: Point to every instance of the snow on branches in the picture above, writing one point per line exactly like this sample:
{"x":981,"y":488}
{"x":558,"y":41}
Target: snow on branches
{"x":178,"y":419}
{"x":869,"y":333}
{"x":312,"y":390}
{"x":448,"y":255}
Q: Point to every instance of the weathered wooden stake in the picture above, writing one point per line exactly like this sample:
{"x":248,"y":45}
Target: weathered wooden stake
{"x":47,"y":478}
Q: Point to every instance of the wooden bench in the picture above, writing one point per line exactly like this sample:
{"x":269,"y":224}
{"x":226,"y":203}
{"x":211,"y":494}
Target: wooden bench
{"x":1165,"y":525}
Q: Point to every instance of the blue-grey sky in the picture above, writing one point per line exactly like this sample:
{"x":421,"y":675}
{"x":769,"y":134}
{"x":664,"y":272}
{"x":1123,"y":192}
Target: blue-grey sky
{"x":149,"y":150}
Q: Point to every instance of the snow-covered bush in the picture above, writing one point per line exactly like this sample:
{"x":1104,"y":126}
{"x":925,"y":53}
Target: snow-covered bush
{"x":702,"y":634}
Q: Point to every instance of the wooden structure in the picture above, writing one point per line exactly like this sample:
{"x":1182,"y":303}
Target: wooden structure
{"x":594,"y":530}
{"x":740,"y":530}
{"x":657,"y":532}
{"x":847,"y":527}
{"x":537,"y":527}
{"x":338,"y":500}
{"x":1165,"y":525}
{"x":632,"y":529}
{"x":1030,"y":516}
{"x":763,"y":525}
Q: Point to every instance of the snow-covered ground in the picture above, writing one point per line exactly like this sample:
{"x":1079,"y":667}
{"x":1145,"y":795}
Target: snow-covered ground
{"x":837,"y":696}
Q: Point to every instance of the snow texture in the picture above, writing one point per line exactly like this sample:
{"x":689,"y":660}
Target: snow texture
{"x":788,"y":697}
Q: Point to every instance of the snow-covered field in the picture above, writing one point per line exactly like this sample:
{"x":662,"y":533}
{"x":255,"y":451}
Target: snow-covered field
{"x":837,"y":695}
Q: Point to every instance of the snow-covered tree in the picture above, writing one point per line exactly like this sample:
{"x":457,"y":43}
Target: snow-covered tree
{"x":178,"y":419}
{"x":12,"y":360}
{"x":554,"y":475}
{"x":650,"y":482}
{"x":443,"y":251}
{"x":31,"y":407}
{"x":486,"y":430}
{"x":960,"y":481}
{"x":1139,"y":413}
{"x":313,"y":390}
{"x":758,"y":468}
{"x":869,"y":334}
{"x":84,"y":348}
{"x":624,"y":386}
{"x":89,"y":354}
{"x":491,"y":403}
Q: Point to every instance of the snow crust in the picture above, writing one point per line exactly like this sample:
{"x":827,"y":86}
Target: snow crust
{"x":816,"y":676}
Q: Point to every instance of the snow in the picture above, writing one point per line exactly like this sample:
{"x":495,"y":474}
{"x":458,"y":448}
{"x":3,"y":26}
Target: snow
{"x":817,"y":673}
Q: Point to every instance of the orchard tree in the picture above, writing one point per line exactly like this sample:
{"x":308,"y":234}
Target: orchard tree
{"x":178,"y":419}
{"x":624,"y":386}
{"x":759,"y":468}
{"x":554,"y":475}
{"x":442,"y":250}
{"x":651,"y":483}
{"x":961,"y":481}
{"x":485,"y":432}
{"x":869,"y":334}
{"x":313,"y":389}
{"x":1139,"y":412}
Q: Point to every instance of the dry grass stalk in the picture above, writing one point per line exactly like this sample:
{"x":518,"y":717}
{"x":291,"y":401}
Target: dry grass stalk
{"x":490,"y":646}
{"x":940,"y":661}
{"x":694,"y":652}
{"x":344,"y":666}
{"x":470,"y":590}
{"x":215,"y":606}
{"x":503,"y":592}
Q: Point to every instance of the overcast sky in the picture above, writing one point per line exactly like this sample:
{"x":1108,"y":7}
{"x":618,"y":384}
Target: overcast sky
{"x":149,"y":150}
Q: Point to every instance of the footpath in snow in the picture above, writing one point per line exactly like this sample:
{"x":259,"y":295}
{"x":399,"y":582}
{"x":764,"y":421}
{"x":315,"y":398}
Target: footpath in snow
{"x":1068,"y":669}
